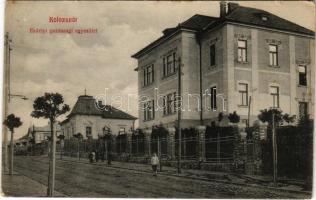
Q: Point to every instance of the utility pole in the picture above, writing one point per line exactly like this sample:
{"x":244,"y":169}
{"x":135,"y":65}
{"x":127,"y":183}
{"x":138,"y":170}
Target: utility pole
{"x":249,"y":104}
{"x":6,"y":95}
{"x":274,"y":150}
{"x":179,"y":107}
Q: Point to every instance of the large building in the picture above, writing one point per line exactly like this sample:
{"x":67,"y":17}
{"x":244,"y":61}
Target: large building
{"x":225,"y":60}
{"x":93,"y":121}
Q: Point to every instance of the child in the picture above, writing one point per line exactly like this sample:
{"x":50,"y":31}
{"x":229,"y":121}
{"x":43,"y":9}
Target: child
{"x":154,"y":163}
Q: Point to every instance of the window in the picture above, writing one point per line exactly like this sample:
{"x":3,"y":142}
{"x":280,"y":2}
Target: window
{"x":169,"y":104}
{"x":88,"y":131}
{"x":274,"y":91}
{"x":149,"y":110}
{"x":273,"y":54}
{"x":212,"y":55}
{"x":303,"y":109}
{"x":302,"y":75}
{"x":264,"y":18}
{"x":243,"y":94}
{"x":121,"y":130}
{"x":213,"y":98}
{"x":169,"y":64}
{"x":149,"y":75}
{"x":242,"y":51}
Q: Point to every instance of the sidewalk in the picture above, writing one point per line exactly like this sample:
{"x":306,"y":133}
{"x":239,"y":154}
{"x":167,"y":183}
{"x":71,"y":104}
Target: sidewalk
{"x":19,"y":185}
{"x":232,"y":178}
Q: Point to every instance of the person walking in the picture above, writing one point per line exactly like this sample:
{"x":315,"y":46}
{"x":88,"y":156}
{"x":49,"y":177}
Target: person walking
{"x":154,"y":164}
{"x":97,"y":156}
{"x":109,"y":157}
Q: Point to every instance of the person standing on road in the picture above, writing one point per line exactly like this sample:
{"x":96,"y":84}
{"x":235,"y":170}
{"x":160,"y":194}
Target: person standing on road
{"x":109,"y":157}
{"x":154,"y":163}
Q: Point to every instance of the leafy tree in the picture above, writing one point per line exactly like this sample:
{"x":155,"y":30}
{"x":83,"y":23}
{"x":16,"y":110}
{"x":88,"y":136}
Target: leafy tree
{"x":266,"y":116}
{"x":220,"y":117}
{"x":61,"y":137}
{"x":50,"y":106}
{"x":288,"y":119}
{"x":279,"y":117}
{"x":12,"y":122}
{"x":234,"y":117}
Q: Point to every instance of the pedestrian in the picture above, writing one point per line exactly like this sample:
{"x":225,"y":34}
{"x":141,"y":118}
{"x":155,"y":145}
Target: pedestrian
{"x":97,"y":156}
{"x":154,"y":163}
{"x":91,"y":157}
{"x":109,"y":158}
{"x":102,"y":156}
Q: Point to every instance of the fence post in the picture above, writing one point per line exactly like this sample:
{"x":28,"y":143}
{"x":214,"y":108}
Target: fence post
{"x":129,"y":143}
{"x":201,"y":130}
{"x":147,"y":135}
{"x":238,"y":154}
{"x":114,"y":147}
{"x":171,"y":142}
{"x":260,"y":135}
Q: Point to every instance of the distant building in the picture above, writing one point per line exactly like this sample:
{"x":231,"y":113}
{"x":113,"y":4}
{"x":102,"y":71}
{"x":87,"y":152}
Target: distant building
{"x":41,"y":134}
{"x":243,"y":53}
{"x":91,"y":122}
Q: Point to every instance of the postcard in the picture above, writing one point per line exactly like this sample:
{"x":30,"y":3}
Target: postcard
{"x":158,"y":99}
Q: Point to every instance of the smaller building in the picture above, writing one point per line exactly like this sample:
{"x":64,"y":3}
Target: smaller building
{"x":92,"y":119}
{"x":41,"y":134}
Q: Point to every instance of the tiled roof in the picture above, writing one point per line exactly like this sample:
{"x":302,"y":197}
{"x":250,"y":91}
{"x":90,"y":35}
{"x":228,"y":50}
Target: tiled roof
{"x":195,"y":23}
{"x":252,"y":16}
{"x":240,"y":14}
{"x":86,"y":105}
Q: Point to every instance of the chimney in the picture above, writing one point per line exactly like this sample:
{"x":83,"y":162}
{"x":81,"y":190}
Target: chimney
{"x":222,"y":9}
{"x":232,"y":6}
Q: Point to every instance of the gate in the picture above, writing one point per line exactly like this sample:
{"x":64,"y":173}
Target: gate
{"x":138,"y":143}
{"x":219,"y":144}
{"x":121,"y":143}
{"x":188,"y":143}
{"x":159,"y":141}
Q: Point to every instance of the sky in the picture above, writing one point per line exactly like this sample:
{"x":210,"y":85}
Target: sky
{"x":72,"y":63}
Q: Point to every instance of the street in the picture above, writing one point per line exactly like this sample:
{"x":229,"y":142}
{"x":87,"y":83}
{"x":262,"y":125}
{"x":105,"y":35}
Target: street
{"x":77,"y":179}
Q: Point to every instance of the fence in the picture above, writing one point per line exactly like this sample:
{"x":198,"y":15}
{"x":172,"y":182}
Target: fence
{"x":219,"y":145}
{"x":294,"y":151}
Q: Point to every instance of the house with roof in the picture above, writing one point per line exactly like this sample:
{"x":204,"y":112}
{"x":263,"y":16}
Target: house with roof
{"x":40,"y":134}
{"x":92,"y":119}
{"x":245,"y":60}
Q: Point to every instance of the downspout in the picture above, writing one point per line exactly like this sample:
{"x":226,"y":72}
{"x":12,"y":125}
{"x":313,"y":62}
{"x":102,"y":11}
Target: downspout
{"x":200,"y":65}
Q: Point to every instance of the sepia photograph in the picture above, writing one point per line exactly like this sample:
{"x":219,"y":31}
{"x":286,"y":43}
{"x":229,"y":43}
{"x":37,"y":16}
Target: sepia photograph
{"x":158,"y":99}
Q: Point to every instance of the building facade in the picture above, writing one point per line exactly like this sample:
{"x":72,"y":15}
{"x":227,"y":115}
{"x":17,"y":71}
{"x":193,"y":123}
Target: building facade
{"x":93,"y":121}
{"x":245,"y":60}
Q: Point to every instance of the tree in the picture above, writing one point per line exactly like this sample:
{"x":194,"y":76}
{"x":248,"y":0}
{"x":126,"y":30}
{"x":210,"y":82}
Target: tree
{"x":50,"y":106}
{"x":279,"y":117}
{"x":220,"y":117}
{"x":12,"y":122}
{"x":61,"y":142}
{"x":266,"y":116}
{"x":288,"y":119}
{"x":234,"y":117}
